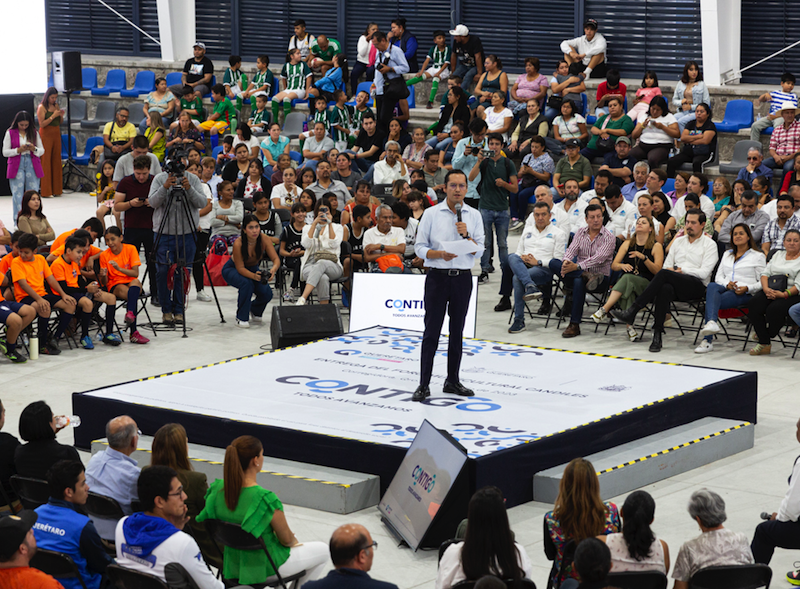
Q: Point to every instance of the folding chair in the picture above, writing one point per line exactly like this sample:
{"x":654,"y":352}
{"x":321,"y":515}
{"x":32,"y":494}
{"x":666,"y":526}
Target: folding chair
{"x":125,"y":578}
{"x":638,"y":580}
{"x":745,"y":576}
{"x":56,"y":564}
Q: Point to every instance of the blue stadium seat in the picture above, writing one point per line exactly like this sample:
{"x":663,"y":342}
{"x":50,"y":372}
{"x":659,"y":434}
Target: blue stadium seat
{"x":89,"y":78}
{"x":363,"y":86}
{"x":213,"y":83}
{"x":115,"y":82}
{"x":412,"y":98}
{"x":216,"y":151}
{"x":296,"y":156}
{"x":669,"y":185}
{"x":64,"y":147}
{"x":91,"y":143}
{"x":144,"y":83}
{"x":738,"y":115}
{"x":174,"y":78}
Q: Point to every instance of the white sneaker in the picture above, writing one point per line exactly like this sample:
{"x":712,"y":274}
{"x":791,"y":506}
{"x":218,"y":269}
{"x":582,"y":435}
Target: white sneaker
{"x":301,"y":301}
{"x":599,"y":315}
{"x":256,"y":319}
{"x":204,"y":296}
{"x":632,"y":333}
{"x":242,"y":324}
{"x":704,"y":347}
{"x":710,"y":328}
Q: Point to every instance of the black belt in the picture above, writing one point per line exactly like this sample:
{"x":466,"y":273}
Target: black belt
{"x":449,"y":271}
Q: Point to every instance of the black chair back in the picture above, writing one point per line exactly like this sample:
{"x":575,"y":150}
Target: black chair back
{"x":56,"y":564}
{"x":178,"y":578}
{"x":32,"y":492}
{"x":233,"y":536}
{"x":638,"y":580}
{"x":445,"y":545}
{"x":103,"y":507}
{"x":125,"y":578}
{"x":744,"y":576}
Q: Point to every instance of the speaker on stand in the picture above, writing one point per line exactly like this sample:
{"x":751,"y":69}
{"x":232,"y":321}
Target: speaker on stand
{"x":68,"y":78}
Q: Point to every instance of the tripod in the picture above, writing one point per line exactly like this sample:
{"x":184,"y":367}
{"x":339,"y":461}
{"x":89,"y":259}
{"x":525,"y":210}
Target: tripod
{"x":70,"y":167}
{"x":177,"y":195}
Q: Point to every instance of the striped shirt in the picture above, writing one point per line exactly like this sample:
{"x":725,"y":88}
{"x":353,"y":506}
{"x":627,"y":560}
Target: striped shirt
{"x":265,"y":78}
{"x":321,"y":116}
{"x":341,"y":117}
{"x":592,"y":255}
{"x":439,"y":57}
{"x":773,"y":234}
{"x":295,"y":75}
{"x":777,"y":98}
{"x":786,"y":141}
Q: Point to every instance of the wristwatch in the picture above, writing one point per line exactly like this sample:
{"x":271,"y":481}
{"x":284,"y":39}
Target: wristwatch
{"x":383,"y":247}
{"x":539,"y":263}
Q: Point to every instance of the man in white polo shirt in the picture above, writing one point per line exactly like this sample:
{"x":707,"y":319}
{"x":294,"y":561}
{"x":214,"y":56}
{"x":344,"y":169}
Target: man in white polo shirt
{"x":385,"y":240}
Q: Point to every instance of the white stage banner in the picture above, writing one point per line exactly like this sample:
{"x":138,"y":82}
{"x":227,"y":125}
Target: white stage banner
{"x":398,"y":300}
{"x":359,"y":386}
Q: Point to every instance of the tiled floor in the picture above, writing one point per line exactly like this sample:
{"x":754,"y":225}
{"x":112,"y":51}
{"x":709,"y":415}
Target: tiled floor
{"x":750,"y":482}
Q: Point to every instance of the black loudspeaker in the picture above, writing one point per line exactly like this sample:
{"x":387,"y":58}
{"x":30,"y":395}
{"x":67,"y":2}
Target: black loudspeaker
{"x":292,"y":325}
{"x":67,"y":76}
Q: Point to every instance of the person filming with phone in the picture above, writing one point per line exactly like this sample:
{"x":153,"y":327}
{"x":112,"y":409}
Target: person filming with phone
{"x":322,"y":240}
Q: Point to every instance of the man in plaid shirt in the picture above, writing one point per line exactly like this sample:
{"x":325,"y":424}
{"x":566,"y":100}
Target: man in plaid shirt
{"x":586,"y":265}
{"x":784,"y":144}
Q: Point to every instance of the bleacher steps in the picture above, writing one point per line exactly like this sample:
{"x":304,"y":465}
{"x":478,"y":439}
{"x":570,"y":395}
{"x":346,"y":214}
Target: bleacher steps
{"x":306,"y":485}
{"x":657,"y":457}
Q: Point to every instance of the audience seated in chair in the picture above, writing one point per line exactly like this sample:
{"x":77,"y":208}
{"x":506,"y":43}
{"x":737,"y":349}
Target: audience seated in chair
{"x":385,"y":241}
{"x":113,"y":473}
{"x":148,"y":541}
{"x":579,"y":511}
{"x":715,"y":546}
{"x":37,"y":427}
{"x":239,"y":499}
{"x":17,"y":547}
{"x":488,"y":547}
{"x":62,"y":526}
{"x":775,"y":232}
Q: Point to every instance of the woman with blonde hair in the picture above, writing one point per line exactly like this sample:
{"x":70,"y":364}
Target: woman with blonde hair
{"x":579,"y":512}
{"x":239,"y":499}
{"x":171,"y":448}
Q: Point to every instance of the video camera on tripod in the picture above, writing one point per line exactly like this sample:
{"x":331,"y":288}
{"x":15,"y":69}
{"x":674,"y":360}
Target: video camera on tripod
{"x":175,"y":167}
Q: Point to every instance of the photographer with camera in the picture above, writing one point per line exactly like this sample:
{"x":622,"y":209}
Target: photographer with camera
{"x":498,"y":179}
{"x":176,"y":200}
{"x":322,"y":240}
{"x":242,"y":272}
{"x":466,"y":155}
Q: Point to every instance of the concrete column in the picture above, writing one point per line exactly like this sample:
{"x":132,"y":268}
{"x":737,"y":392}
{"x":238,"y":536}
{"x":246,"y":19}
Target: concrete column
{"x":176,"y":27}
{"x":721,"y":26}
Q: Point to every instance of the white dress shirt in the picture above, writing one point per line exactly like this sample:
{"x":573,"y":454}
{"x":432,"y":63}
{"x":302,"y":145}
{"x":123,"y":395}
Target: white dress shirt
{"x":746,"y":271}
{"x":386,"y":174}
{"x":438,"y":225}
{"x":694,"y":259}
{"x":706,"y":205}
{"x":575,"y":214}
{"x":544,"y":245}
{"x":621,"y":217}
{"x":789,"y":510}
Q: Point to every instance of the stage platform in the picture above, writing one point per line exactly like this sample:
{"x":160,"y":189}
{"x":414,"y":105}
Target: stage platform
{"x":345,"y":402}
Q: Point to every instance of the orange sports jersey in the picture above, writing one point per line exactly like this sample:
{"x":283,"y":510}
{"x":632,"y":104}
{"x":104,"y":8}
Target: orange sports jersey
{"x":128,"y":259}
{"x":5,"y":263}
{"x":92,"y":251}
{"x":27,"y":578}
{"x":61,"y":239}
{"x":34,"y":273}
{"x":64,"y":271}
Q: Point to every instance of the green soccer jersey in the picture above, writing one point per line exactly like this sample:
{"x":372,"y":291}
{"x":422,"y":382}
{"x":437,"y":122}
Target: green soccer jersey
{"x":343,"y":118}
{"x":334,"y":48}
{"x":260,"y":117}
{"x":226,"y":111}
{"x":323,"y":117}
{"x":439,"y":57}
{"x":295,"y":75}
{"x":194,"y":104}
{"x":234,"y":78}
{"x":266,"y":78}
{"x":356,"y":116}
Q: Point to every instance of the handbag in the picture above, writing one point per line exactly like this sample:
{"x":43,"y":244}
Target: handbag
{"x":555,"y":102}
{"x":606,"y":144}
{"x":317,"y":256}
{"x":215,"y":263}
{"x":396,"y":87}
{"x":778,"y":282}
{"x":107,"y":152}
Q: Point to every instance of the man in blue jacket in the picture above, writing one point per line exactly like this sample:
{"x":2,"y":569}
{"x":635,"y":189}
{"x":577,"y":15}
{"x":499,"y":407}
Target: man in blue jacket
{"x":62,"y":528}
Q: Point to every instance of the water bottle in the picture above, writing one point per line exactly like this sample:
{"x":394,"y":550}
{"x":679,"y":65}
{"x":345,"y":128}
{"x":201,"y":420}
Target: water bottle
{"x":33,"y":347}
{"x":63,"y":421}
{"x":99,"y":336}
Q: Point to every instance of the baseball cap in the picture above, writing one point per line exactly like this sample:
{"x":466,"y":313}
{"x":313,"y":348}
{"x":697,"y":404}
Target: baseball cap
{"x":788,"y":105}
{"x":573,"y":142}
{"x":460,"y":31}
{"x":200,"y":45}
{"x":623,"y":139}
{"x":13,"y":529}
{"x":590,"y":22}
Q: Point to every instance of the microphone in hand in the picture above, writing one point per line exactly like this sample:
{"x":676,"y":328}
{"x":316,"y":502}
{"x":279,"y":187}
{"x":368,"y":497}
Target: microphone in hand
{"x":458,"y":208}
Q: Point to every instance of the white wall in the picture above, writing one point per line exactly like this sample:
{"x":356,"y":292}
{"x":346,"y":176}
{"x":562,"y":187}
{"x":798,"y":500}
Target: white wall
{"x":720,"y":20}
{"x":176,"y":27}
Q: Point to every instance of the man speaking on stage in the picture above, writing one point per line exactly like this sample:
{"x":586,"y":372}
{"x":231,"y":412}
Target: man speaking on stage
{"x":449,"y":279}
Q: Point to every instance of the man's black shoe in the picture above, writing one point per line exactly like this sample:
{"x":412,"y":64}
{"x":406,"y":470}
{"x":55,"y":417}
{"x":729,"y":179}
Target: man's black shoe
{"x":503,"y":305}
{"x":656,"y":345}
{"x":627,"y":316}
{"x":566,"y":310}
{"x":422,"y":393}
{"x":457,"y":389}
{"x":544,"y":309}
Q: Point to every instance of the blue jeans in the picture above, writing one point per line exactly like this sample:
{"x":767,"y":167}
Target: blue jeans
{"x":247,"y":287}
{"x":170,"y":249}
{"x":466,"y":73}
{"x":369,"y":173}
{"x":24,"y":180}
{"x":495,"y":220}
{"x":311,"y":164}
{"x":684,"y":117}
{"x":439,"y":145}
{"x":574,"y":280}
{"x":718,"y":297}
{"x":523,"y":276}
{"x":787,"y":165}
{"x":794,"y":313}
{"x":551,"y":113}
